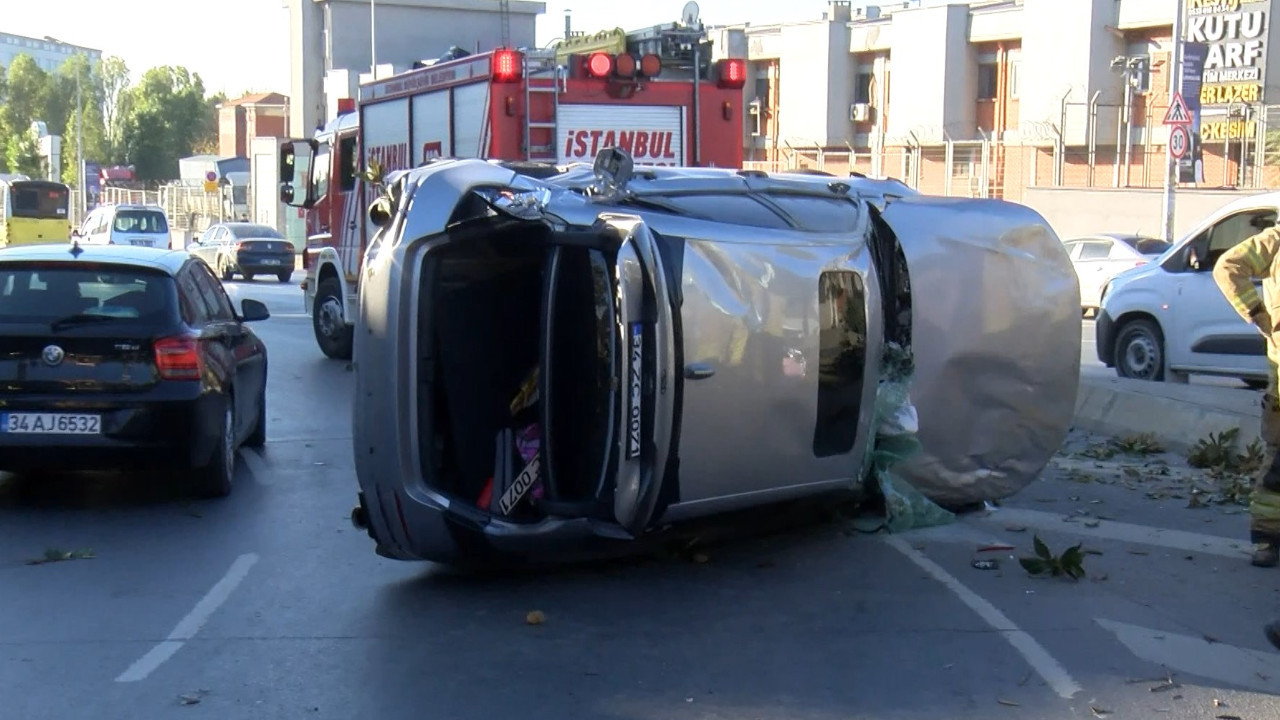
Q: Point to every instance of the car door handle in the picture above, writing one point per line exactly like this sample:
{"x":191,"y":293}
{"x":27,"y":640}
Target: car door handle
{"x":698,"y":371}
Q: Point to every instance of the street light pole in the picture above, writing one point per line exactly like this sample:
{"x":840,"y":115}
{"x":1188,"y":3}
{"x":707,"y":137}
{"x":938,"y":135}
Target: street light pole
{"x":1171,"y":165}
{"x":373,"y":38}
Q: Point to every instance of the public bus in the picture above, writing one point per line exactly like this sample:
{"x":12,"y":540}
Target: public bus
{"x":33,"y":211}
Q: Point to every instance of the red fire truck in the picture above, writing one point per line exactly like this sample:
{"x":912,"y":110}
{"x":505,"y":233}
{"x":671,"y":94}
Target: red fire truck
{"x":560,"y":106}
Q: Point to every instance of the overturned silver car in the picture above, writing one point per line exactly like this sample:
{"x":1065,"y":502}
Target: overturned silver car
{"x":598,"y":352}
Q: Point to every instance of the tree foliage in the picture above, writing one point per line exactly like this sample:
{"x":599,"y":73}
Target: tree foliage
{"x":166,"y":116}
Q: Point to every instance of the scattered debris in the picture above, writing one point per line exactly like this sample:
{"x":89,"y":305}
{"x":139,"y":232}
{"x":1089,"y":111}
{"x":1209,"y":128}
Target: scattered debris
{"x":1092,"y":523}
{"x":52,"y":555}
{"x":986,"y":564}
{"x":1217,"y":452}
{"x":1219,"y":703}
{"x":995,"y":548}
{"x":1227,"y":717}
{"x":1008,"y":703}
{"x":1015,"y":528}
{"x":1025,"y":679}
{"x":1139,"y":552}
{"x":192,"y":698}
{"x":1210,"y":639}
{"x":1099,"y":712}
{"x":535,"y":617}
{"x":1070,"y":563}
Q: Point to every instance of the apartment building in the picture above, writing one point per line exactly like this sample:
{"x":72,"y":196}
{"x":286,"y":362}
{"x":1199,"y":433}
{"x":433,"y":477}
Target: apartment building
{"x":986,"y":97}
{"x":48,"y":53}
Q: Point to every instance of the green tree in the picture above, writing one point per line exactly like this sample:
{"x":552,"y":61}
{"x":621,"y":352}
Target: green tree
{"x":166,"y":117}
{"x":114,"y":77}
{"x":22,"y":154}
{"x":27,"y":91}
{"x":62,"y":105}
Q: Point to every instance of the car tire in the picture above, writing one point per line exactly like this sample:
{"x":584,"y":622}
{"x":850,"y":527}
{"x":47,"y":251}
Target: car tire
{"x":1139,"y":353}
{"x":332,"y":334}
{"x":284,"y":276}
{"x":248,"y":277}
{"x":226,"y":274}
{"x":258,"y":437}
{"x":214,"y":479}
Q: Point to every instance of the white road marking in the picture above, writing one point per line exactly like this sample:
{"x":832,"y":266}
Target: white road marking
{"x":1254,"y":669}
{"x":1033,"y":652}
{"x":290,"y":315}
{"x":191,"y":624}
{"x":1124,"y":532}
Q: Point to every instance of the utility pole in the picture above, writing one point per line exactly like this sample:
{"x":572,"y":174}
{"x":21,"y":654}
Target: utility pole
{"x":1171,"y":165}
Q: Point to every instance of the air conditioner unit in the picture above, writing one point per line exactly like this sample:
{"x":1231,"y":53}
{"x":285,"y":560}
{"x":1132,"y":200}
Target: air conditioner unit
{"x":860,"y":112}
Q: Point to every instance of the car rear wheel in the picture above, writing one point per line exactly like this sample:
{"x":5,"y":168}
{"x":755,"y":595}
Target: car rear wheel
{"x":332,"y":332}
{"x":284,"y":276}
{"x":1140,"y":351}
{"x":214,"y":479}
{"x":226,"y":273}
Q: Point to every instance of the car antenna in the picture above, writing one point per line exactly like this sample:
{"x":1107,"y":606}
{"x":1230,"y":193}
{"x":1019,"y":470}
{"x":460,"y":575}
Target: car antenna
{"x":75,"y":248}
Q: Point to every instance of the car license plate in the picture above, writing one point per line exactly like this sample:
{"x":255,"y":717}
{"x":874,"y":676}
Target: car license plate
{"x":142,"y":243}
{"x":50,"y":424}
{"x":270,"y":262}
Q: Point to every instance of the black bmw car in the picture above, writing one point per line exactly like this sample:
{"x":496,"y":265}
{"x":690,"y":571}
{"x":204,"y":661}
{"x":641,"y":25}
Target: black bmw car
{"x":117,"y":357}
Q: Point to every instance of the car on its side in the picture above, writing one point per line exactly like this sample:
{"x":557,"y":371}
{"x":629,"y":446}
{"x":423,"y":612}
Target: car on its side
{"x":1167,"y":320}
{"x":545,"y":364}
{"x":1098,"y":258}
{"x":136,"y":225}
{"x":126,"y":357}
{"x":247,"y":249}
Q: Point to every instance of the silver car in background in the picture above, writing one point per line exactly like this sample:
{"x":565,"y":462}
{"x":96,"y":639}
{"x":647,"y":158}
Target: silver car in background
{"x":545,"y":363}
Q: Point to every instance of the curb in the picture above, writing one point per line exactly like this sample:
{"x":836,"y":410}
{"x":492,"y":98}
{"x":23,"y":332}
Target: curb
{"x":1178,"y":416}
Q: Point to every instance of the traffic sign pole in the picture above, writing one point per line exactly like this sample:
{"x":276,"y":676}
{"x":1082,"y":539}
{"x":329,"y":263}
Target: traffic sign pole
{"x":1171,"y":161}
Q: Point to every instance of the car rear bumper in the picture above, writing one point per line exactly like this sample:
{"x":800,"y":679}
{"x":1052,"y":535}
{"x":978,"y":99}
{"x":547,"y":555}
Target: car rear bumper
{"x":266,"y":263}
{"x":181,"y":432}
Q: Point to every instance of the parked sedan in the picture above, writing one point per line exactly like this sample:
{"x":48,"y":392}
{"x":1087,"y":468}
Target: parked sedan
{"x":1098,"y":258}
{"x":543,"y":365}
{"x":246,"y":249}
{"x":118,"y":356}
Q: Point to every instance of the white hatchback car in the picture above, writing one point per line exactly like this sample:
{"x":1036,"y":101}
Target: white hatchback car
{"x":1098,"y":258}
{"x":1168,"y":319}
{"x":142,"y":225}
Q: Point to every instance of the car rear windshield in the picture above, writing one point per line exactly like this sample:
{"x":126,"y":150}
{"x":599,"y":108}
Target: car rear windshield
{"x":255,"y":231}
{"x":41,"y":293}
{"x":39,"y":200}
{"x":811,"y":213}
{"x":140,"y":221}
{"x":1149,"y":246}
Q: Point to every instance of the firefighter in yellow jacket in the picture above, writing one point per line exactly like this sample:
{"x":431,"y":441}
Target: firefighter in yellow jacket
{"x":1258,"y":258}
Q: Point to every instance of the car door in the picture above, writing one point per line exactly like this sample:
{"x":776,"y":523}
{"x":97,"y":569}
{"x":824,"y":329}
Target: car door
{"x":207,"y":250}
{"x":1207,"y":333}
{"x":1093,"y":267}
{"x":235,"y":344}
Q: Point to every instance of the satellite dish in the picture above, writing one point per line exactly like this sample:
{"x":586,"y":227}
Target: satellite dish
{"x":690,"y":13}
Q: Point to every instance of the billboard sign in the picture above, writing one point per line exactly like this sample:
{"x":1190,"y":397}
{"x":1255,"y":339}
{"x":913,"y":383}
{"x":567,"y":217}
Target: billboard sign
{"x":1234,"y":34}
{"x":1191,"y":160}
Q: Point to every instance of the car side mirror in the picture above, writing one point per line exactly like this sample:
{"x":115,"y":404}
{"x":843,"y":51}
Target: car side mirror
{"x":253,"y":311}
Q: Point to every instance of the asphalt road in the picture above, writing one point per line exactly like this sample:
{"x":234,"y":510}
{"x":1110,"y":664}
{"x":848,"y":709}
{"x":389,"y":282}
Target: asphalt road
{"x":268,"y":604}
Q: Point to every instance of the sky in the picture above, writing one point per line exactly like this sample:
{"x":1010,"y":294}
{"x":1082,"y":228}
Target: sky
{"x":242,"y":45}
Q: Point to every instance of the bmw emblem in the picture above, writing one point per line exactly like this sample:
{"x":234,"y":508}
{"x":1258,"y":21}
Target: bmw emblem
{"x":53,"y":355}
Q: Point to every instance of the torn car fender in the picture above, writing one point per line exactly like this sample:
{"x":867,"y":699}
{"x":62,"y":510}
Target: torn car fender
{"x":996,"y":334}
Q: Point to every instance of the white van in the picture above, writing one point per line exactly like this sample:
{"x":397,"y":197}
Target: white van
{"x":1168,"y":319}
{"x":142,"y":225}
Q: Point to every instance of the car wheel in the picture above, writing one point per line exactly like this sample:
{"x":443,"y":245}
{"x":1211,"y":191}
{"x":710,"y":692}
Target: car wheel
{"x":284,"y":276}
{"x":248,"y":277}
{"x":226,"y":274}
{"x":1140,"y":351}
{"x":332,"y":333}
{"x":214,"y":479}
{"x":258,"y":437}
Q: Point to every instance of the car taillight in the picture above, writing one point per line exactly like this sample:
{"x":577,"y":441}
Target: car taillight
{"x":236,"y":247}
{"x":178,"y":358}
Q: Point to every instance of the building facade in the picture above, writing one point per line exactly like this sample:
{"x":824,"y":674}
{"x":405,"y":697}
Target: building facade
{"x":249,"y":117}
{"x":48,"y":55}
{"x":331,"y":43}
{"x":987,"y":97}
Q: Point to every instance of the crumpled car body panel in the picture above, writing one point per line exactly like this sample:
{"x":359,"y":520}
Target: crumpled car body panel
{"x":996,"y":333}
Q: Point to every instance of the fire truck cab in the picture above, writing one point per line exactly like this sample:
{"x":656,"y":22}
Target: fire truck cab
{"x":539,"y":110}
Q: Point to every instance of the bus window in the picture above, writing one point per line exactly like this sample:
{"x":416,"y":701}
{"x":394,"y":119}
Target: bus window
{"x":41,"y":201}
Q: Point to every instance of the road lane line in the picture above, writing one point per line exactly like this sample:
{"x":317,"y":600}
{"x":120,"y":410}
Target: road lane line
{"x":191,"y":624}
{"x":1254,"y":669}
{"x":1123,"y":532}
{"x":1033,"y":652}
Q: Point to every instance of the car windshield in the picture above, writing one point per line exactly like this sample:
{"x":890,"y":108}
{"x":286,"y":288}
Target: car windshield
{"x":1148,"y":246}
{"x":242,"y":232}
{"x":44,"y":294}
{"x":141,"y":221}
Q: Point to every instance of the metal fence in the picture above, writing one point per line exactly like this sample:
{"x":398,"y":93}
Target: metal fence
{"x":1240,"y":149}
{"x":190,"y":210}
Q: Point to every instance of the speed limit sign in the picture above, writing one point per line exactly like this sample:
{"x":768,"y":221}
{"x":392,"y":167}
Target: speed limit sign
{"x":1179,"y":141}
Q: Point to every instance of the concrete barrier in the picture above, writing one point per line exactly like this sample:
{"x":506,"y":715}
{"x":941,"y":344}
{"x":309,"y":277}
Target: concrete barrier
{"x":1177,"y":415}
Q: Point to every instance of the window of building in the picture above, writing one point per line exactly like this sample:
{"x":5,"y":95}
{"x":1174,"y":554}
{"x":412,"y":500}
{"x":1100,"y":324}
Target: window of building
{"x":988,"y":74}
{"x":862,"y":86}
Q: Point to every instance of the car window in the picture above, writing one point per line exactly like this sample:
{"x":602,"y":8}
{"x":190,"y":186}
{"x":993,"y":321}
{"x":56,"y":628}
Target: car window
{"x":215,"y":298}
{"x":194,"y":310}
{"x":1073,"y":248}
{"x":213,"y":235}
{"x":1150,"y":246}
{"x":819,"y":214}
{"x":46,"y":293}
{"x":1235,"y":229}
{"x":140,"y":221}
{"x":255,"y":231}
{"x":1095,"y":251}
{"x":731,"y":209}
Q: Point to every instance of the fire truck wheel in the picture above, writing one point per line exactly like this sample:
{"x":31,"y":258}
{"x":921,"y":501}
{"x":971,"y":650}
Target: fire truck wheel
{"x":332,"y":332}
